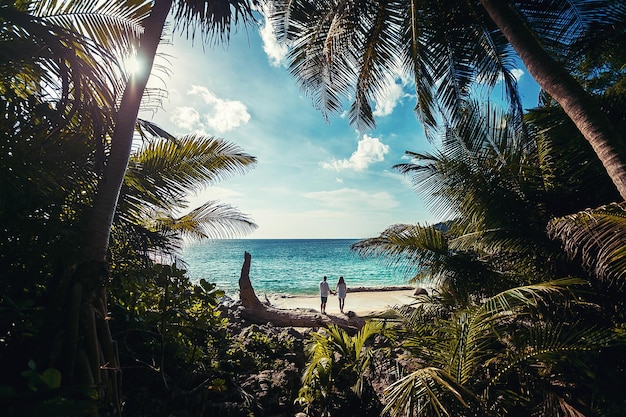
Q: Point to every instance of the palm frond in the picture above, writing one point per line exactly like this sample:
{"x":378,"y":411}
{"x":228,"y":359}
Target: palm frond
{"x":212,"y":220}
{"x":346,"y":51}
{"x":552,"y":343}
{"x":150,"y":130}
{"x":597,"y":236}
{"x":405,"y":246}
{"x":162,"y":172}
{"x":70,"y":69}
{"x":427,"y":391}
{"x":114,"y":25}
{"x":214,"y":20}
{"x":564,"y":25}
{"x":535,"y":296}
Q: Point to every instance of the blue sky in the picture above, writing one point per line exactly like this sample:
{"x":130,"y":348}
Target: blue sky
{"x":314,"y":178}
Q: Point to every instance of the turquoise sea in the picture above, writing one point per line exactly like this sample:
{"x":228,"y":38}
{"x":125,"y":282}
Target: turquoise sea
{"x":290,"y":266}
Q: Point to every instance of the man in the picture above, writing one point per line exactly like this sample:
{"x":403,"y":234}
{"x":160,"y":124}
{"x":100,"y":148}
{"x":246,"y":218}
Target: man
{"x":324,"y":291}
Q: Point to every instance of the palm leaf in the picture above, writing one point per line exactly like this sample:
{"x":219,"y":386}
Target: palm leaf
{"x":114,"y":25}
{"x":550,"y":343}
{"x":214,"y":19}
{"x":162,"y":172}
{"x":212,"y":220}
{"x":344,"y":51}
{"x":405,"y":246}
{"x":426,"y":391}
{"x":70,"y":69}
{"x":597,"y":236}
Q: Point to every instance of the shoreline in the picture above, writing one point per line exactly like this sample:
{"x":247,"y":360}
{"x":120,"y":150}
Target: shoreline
{"x":363,"y":301}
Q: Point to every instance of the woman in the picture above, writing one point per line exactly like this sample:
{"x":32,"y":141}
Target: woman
{"x":341,"y":290}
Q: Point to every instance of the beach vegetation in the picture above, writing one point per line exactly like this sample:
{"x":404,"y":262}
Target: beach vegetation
{"x":56,"y":115}
{"x":528,"y":349}
{"x":337,"y":377}
{"x":517,"y":202}
{"x":496,"y":266}
{"x":528,"y":316}
{"x":507,"y":195}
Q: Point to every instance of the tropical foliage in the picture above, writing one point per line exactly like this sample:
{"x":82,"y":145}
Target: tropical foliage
{"x":336,"y":379}
{"x":502,"y":333}
{"x":499,"y":188}
{"x":59,"y":90}
{"x":452,"y":52}
{"x":89,"y":230}
{"x":525,"y":350}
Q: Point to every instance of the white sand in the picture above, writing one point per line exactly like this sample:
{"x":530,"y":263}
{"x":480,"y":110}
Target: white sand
{"x":363,"y":303}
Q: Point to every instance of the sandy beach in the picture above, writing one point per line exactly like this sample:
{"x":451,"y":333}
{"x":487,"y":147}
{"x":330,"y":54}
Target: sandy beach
{"x":363,"y":303}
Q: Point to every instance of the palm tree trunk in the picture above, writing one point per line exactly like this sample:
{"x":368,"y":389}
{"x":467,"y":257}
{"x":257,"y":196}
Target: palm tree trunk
{"x":101,"y":217}
{"x":556,"y":81}
{"x":88,"y":354}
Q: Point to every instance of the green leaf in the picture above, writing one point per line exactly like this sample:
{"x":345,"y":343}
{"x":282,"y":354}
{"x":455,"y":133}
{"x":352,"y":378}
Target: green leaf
{"x":52,"y":378}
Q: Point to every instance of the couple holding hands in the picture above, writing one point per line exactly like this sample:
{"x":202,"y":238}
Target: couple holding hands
{"x":340,"y":290}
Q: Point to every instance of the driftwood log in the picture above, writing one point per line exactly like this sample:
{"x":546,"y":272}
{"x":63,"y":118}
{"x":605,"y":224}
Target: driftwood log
{"x":257,"y":312}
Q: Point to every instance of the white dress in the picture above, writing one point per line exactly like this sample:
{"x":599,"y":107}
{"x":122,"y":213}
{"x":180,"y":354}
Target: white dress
{"x":342,"y":290}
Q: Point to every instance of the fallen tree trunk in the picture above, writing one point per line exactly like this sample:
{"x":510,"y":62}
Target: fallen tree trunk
{"x":260,"y":313}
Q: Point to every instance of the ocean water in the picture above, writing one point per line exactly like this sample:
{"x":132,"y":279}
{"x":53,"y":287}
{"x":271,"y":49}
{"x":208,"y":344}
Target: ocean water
{"x":289,"y":266}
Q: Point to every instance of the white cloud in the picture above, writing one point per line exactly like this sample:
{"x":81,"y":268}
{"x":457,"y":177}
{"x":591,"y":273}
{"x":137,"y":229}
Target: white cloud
{"x":517,"y":73}
{"x":354,"y":200}
{"x":386,"y":104}
{"x":222,"y":115}
{"x":275,"y":51}
{"x":186,"y":117}
{"x":369,"y":150}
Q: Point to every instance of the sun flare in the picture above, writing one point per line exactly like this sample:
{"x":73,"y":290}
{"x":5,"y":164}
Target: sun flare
{"x":132,"y":64}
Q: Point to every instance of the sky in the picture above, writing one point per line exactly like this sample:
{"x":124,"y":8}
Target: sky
{"x":314,"y":178}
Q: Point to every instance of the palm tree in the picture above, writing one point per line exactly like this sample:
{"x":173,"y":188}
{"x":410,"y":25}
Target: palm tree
{"x":212,"y":19}
{"x":499,"y":188}
{"x":352,"y":49}
{"x":74,"y":77}
{"x":519,"y":352}
{"x":59,"y":88}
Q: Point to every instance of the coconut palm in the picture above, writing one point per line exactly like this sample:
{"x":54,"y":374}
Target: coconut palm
{"x":351,"y":50}
{"x":212,"y":19}
{"x":58,"y":87}
{"x":519,"y":352}
{"x":499,"y":189}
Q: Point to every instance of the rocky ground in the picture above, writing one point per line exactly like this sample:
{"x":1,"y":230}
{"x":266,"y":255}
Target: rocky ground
{"x":272,"y":391}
